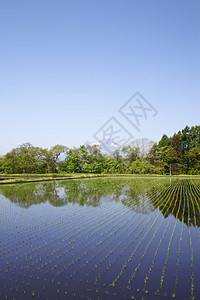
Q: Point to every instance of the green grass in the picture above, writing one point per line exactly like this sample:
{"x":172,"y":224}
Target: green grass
{"x":23,"y":178}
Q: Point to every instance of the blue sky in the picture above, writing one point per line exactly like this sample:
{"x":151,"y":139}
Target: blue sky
{"x":66,"y":67}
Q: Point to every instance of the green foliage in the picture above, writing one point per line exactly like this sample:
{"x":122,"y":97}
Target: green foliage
{"x":51,"y":157}
{"x":193,"y":157}
{"x":1,"y":164}
{"x":179,"y":154}
{"x":24,"y":159}
{"x":182,"y":151}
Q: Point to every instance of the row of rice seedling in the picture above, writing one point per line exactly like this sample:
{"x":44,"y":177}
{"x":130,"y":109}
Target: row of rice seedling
{"x":195,"y":193}
{"x":110,"y":252}
{"x":176,"y":194}
{"x":86,"y":226}
{"x":120,"y":254}
{"x":104,"y":224}
{"x":92,"y":242}
{"x":30,"y":238}
{"x":168,"y":205}
{"x":192,"y":254}
{"x":180,"y":240}
{"x":112,"y":261}
{"x":121,"y":217}
{"x":120,"y":221}
{"x":157,"y":200}
{"x":79,"y":257}
{"x":113,"y":231}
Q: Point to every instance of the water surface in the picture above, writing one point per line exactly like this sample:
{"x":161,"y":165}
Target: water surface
{"x":116,"y":238}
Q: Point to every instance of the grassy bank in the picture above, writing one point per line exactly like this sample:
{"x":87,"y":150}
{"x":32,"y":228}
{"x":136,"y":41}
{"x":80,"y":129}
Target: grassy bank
{"x":23,"y":178}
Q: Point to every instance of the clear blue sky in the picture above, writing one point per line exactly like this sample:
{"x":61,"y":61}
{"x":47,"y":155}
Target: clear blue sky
{"x":66,"y":67}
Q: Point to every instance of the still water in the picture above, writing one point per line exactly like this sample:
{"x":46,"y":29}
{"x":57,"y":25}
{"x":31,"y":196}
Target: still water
{"x":109,"y":238}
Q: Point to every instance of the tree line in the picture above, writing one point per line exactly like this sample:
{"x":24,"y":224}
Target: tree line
{"x":179,"y":154}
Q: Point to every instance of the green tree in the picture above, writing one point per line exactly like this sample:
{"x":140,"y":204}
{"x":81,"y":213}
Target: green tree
{"x":190,"y":138}
{"x":131,"y":153}
{"x":174,"y":156}
{"x":117,"y":155}
{"x":52,"y":157}
{"x":24,"y":159}
{"x":1,"y":164}
{"x":141,"y":166}
{"x":165,"y":141}
{"x":76,"y":160}
{"x":193,"y":156}
{"x":156,"y":157}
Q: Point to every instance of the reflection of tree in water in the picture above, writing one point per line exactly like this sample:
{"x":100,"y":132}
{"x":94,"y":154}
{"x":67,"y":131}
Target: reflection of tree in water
{"x":193,"y":196}
{"x":144,"y":196}
{"x":23,"y":195}
{"x":183,"y":191}
{"x":91,"y":192}
{"x":82,"y":192}
{"x":140,"y":195}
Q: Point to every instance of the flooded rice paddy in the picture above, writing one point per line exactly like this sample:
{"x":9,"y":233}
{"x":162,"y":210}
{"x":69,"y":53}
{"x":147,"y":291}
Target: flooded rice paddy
{"x":109,"y":238}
